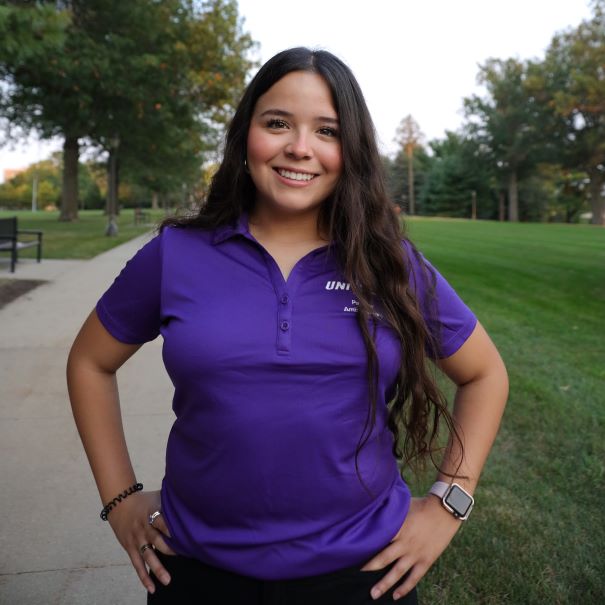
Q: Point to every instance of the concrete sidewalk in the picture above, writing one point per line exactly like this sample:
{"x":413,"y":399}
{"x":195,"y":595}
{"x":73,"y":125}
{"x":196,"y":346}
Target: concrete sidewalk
{"x":55,"y":548}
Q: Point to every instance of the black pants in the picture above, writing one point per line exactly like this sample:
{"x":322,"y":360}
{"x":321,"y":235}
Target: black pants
{"x":195,"y":583}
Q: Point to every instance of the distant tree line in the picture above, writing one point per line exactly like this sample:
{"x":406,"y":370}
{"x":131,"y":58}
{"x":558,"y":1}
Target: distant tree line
{"x":40,"y":185}
{"x":146,"y":86}
{"x":532,"y":148}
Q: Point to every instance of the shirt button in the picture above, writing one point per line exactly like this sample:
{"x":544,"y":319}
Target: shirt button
{"x":284,"y":299}
{"x":284,"y":326}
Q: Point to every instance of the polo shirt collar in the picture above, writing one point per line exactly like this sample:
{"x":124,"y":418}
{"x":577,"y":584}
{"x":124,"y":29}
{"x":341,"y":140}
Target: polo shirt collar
{"x":225,"y":232}
{"x":240,"y":227}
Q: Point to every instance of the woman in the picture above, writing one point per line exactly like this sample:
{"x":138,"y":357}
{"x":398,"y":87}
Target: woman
{"x":292,"y":313}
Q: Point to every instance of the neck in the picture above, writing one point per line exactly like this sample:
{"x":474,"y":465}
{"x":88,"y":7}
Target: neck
{"x":285,"y":227}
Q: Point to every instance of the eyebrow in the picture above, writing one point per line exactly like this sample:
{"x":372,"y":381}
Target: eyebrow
{"x":287,"y":114}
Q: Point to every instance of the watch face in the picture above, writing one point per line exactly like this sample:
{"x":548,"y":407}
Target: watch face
{"x":459,"y":501}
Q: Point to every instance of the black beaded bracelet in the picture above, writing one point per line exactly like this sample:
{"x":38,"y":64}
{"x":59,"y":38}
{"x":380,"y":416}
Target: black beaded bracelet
{"x":137,"y":487}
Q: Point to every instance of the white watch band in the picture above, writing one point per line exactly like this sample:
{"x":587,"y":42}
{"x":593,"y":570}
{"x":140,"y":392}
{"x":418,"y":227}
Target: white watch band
{"x":439,"y":488}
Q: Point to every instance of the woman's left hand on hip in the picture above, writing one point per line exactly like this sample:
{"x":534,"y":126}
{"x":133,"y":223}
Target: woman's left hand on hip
{"x":424,"y":535}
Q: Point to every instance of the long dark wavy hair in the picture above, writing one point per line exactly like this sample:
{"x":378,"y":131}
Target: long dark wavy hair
{"x":359,"y":220}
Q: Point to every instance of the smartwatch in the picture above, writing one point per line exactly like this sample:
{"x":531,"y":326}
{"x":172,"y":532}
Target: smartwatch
{"x":454,"y":498}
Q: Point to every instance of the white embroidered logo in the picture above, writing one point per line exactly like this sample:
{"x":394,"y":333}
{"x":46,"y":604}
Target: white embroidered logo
{"x":343,"y":285}
{"x":338,"y":285}
{"x":354,"y":308}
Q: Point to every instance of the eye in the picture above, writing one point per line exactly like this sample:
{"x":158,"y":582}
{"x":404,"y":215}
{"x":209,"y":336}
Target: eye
{"x":276,"y":124}
{"x":327,"y":131}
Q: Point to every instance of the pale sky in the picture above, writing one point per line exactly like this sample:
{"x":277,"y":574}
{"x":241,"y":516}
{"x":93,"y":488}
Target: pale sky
{"x":415,"y":57}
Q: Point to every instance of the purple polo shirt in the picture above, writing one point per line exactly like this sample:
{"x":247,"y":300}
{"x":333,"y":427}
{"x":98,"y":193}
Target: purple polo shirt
{"x":270,"y":400}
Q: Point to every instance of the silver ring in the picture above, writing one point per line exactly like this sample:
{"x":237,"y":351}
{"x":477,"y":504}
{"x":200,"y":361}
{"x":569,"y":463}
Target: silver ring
{"x":145,"y":547}
{"x":154,"y":516}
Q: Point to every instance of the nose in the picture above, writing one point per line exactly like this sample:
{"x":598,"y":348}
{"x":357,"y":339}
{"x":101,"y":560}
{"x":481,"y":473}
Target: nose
{"x":299,"y":146}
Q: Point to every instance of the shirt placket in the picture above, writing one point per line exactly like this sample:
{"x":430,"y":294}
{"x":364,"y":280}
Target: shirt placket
{"x":284,"y":293}
{"x":284,"y":320}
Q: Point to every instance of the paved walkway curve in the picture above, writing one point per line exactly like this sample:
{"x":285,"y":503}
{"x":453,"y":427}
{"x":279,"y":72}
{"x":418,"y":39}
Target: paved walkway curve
{"x":55,"y":548}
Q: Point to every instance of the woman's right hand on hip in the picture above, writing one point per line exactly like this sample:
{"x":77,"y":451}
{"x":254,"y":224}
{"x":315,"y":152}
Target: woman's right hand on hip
{"x":130,"y":523}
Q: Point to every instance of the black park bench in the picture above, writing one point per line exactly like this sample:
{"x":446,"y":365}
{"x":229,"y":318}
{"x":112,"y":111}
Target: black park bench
{"x":10,"y":239}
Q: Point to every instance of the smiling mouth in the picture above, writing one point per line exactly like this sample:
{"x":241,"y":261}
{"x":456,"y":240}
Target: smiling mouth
{"x":294,"y":176}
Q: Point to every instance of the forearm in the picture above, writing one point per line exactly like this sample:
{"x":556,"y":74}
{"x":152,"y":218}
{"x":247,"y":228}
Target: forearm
{"x":478,"y":408}
{"x":479,"y":403}
{"x":429,"y":528}
{"x":95,"y":404}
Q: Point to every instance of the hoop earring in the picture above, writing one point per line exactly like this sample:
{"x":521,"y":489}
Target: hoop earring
{"x":246,"y":169}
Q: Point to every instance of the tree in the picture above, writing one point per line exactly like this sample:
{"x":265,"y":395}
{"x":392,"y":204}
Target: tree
{"x":504,"y":123}
{"x":398,"y":175}
{"x":190,"y":68}
{"x":553,"y":194}
{"x":28,"y":36}
{"x":459,"y":174}
{"x":142,"y":79}
{"x":51,"y":90}
{"x":571,"y":83}
{"x":409,"y":137}
{"x":46,"y":174}
{"x":18,"y":192}
{"x":204,"y":62}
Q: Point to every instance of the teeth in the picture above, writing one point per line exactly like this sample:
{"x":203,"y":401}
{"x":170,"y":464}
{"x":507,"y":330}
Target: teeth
{"x":295,"y":176}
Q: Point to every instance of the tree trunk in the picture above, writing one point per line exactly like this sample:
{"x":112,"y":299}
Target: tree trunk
{"x":501,"y":206}
{"x":69,"y":191}
{"x":154,"y":200}
{"x":112,"y":193}
{"x":411,"y":200}
{"x":513,"y":197}
{"x":117,"y":185}
{"x":597,"y":202}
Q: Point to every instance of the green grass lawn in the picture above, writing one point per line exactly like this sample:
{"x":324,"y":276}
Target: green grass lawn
{"x":83,"y":238}
{"x":537,"y":534}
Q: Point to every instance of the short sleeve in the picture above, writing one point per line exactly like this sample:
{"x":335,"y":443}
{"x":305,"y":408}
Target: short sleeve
{"x":447,"y":317}
{"x":130,"y":308}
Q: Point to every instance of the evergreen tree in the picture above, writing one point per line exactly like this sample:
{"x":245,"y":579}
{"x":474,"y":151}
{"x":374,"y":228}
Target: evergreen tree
{"x":459,"y":176}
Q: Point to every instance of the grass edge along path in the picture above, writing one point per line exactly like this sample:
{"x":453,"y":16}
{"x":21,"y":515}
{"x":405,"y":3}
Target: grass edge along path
{"x":81,"y":239}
